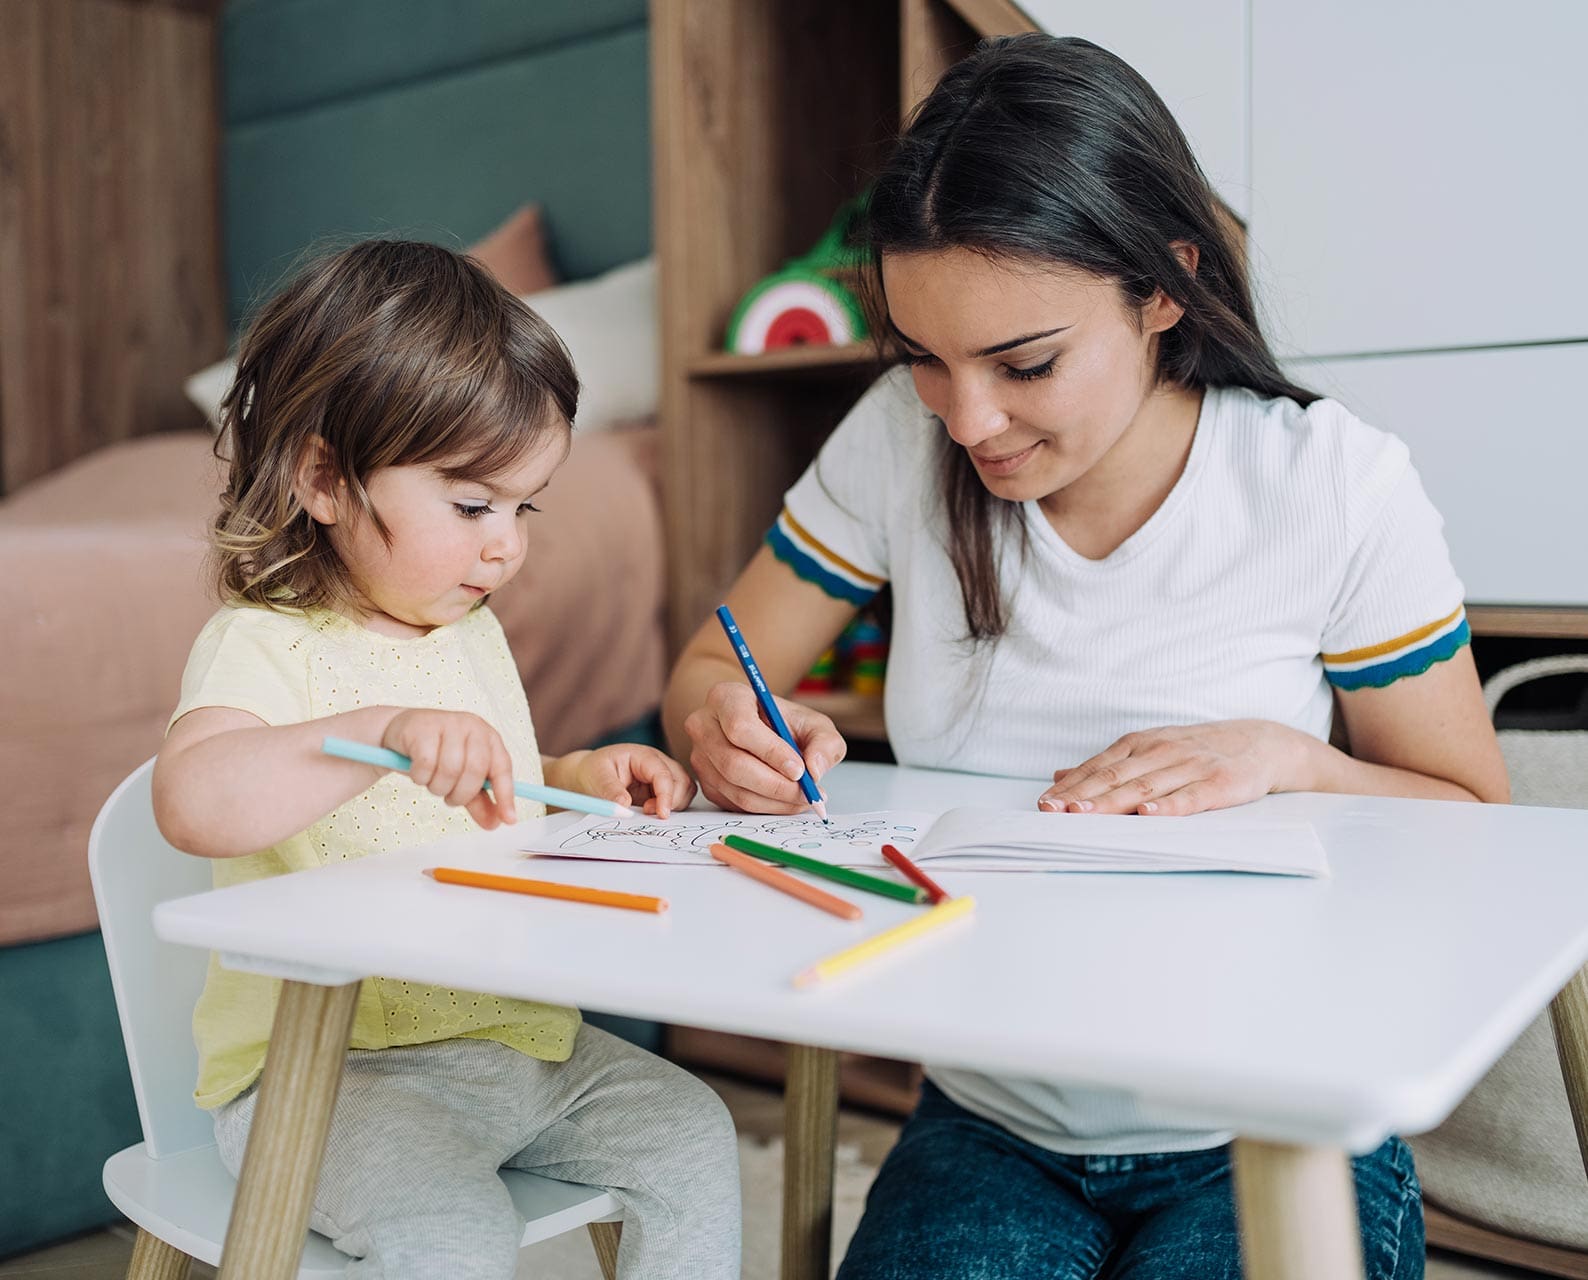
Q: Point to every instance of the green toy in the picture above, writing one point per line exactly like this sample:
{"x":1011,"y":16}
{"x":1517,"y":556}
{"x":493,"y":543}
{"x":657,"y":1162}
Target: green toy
{"x":803,"y":303}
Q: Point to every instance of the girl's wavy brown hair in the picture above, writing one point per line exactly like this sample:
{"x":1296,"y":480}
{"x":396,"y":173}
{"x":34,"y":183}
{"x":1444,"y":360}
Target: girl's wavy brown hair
{"x":392,"y":353}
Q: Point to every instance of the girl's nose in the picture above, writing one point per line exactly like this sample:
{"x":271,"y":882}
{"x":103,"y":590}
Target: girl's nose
{"x":505,"y":543}
{"x":973,"y":415}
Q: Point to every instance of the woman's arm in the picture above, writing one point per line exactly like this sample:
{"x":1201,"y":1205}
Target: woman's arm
{"x":1426,"y":736}
{"x":710,"y":714}
{"x":227,"y":784}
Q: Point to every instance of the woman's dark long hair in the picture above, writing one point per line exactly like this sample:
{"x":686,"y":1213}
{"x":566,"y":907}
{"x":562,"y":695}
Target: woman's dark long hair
{"x":1048,"y":149}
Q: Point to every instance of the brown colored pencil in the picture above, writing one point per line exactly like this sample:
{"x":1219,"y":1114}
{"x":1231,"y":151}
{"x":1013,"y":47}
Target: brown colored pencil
{"x":782,"y":880}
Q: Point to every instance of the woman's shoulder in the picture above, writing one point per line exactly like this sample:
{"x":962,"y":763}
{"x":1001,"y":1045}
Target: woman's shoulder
{"x":888,"y":424}
{"x":1322,"y":440}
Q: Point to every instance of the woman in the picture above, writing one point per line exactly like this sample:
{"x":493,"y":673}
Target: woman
{"x":1128,"y":555}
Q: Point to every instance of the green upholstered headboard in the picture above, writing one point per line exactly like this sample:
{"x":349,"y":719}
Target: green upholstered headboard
{"x":435,"y":119}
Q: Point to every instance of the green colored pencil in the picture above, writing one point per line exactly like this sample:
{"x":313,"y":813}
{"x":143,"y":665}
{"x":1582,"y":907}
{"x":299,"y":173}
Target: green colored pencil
{"x":854,"y":879}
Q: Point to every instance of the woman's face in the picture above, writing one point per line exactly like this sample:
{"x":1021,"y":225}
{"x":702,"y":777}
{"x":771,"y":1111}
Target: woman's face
{"x":1037,"y":370}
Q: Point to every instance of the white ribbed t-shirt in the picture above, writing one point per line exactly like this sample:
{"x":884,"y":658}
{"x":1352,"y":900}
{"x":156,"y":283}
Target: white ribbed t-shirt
{"x":1296,"y":551}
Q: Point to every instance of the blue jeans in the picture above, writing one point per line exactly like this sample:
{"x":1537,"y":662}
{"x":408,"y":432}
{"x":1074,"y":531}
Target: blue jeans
{"x":962,"y":1198}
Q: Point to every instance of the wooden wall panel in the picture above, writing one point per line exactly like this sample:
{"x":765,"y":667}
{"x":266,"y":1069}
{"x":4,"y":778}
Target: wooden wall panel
{"x":110,"y":279}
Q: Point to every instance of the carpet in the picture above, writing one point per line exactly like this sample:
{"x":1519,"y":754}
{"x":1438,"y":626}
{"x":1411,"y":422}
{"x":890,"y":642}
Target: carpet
{"x":570,"y":1257}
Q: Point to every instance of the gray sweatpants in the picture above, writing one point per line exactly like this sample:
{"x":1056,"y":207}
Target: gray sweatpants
{"x":409,"y":1185}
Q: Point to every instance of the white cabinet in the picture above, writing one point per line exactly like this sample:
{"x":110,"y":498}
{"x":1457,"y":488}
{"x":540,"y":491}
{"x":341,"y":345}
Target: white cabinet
{"x":1500,"y":439}
{"x":1194,"y":55}
{"x":1418,"y":173}
{"x":1413,"y":177}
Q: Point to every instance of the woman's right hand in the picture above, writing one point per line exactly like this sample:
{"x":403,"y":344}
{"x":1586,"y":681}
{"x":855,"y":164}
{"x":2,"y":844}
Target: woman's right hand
{"x":741,"y":763}
{"x":454,"y":754}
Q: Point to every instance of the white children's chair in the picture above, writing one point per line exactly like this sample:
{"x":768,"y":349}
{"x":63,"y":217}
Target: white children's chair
{"x":172,"y":1184}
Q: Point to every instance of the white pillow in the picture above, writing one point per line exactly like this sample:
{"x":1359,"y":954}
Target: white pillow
{"x":609,"y":324}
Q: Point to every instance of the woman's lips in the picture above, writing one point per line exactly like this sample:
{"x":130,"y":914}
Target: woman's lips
{"x":1007,"y":464}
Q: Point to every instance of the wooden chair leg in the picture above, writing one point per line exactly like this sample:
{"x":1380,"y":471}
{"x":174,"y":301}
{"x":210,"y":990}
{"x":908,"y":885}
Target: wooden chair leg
{"x":1568,"y":1014}
{"x":154,"y":1259}
{"x":810,"y":1132}
{"x":605,"y":1236}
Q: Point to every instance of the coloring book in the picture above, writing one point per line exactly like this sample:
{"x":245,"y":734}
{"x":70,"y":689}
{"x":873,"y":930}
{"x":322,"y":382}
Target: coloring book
{"x":966,"y":840}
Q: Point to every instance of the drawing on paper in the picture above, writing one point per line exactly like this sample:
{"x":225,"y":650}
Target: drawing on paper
{"x":695,"y":832}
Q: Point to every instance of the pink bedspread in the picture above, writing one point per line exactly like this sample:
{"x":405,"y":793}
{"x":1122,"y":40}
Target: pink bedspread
{"x":102,"y":566}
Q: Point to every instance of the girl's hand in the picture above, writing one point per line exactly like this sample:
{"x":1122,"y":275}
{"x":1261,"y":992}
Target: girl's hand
{"x":454,"y":754}
{"x":1184,"y":769}
{"x":743,"y":764}
{"x":631,"y":774}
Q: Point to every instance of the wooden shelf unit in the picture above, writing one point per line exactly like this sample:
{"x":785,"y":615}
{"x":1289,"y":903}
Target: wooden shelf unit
{"x":765,"y":118}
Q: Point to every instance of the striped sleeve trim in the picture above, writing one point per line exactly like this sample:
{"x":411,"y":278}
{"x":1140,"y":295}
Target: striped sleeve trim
{"x":1408,"y":655}
{"x":795,"y":547}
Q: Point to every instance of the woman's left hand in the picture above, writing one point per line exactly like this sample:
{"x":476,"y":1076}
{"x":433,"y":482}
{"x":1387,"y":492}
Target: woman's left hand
{"x":1182,"y":769}
{"x":632,"y":774}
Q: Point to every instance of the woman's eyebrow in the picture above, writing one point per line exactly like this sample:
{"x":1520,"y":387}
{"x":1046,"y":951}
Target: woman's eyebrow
{"x":996,"y":349}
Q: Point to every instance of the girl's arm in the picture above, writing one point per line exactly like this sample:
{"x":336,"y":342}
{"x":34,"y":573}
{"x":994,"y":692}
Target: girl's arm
{"x":227,"y":784}
{"x":710,"y":713}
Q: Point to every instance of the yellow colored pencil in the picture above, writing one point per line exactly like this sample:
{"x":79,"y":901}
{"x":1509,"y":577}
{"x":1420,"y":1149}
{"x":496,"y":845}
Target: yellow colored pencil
{"x":944,"y":913}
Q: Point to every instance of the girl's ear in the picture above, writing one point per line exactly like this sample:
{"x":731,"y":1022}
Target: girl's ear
{"x":315,"y":482}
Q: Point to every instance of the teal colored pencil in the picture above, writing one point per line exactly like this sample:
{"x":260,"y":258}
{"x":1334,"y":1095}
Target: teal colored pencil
{"x":385,"y":759}
{"x":844,"y":875}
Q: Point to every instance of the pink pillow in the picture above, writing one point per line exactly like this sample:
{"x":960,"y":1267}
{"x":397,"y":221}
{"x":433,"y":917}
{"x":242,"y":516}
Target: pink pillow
{"x":515,"y":253}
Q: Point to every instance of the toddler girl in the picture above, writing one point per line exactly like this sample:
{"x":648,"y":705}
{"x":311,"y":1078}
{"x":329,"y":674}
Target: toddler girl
{"x":394,"y":415}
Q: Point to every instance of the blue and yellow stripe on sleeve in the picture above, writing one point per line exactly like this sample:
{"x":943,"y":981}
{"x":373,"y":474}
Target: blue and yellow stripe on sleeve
{"x":794,"y":545}
{"x":1378,"y":665}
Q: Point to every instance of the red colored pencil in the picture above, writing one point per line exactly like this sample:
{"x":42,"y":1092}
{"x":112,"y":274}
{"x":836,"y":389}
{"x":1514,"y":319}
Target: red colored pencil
{"x":914,"y":873}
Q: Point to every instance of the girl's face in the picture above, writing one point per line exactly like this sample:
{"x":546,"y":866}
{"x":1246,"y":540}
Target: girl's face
{"x":453,"y":542}
{"x":1037,"y":370}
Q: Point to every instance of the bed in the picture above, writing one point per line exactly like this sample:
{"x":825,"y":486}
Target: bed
{"x":340,"y":118}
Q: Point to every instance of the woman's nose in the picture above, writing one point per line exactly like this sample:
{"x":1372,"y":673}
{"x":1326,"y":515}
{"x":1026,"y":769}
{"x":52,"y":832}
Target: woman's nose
{"x":973,"y":415}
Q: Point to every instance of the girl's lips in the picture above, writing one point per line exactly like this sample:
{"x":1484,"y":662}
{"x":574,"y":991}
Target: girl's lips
{"x":1006,"y":465}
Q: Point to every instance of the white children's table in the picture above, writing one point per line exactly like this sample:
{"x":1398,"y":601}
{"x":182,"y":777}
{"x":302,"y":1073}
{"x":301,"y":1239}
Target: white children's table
{"x":1312,"y":1018}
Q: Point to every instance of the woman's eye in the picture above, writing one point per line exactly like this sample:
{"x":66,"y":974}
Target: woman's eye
{"x":469,"y":512}
{"x":917,"y":361}
{"x":1032,"y":372}
{"x":524,"y":508}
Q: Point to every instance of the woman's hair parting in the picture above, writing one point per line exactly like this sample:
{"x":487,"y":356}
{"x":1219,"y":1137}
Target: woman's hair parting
{"x":387,"y":353}
{"x":1043,"y":149}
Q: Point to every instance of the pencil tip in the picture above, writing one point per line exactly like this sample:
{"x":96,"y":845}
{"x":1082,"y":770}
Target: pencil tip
{"x":429,"y":871}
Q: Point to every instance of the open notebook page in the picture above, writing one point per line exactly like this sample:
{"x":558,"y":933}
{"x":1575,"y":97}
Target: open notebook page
{"x":966,"y":839}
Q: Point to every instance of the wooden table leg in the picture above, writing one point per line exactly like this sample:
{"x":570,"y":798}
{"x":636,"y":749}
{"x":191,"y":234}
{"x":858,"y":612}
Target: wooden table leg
{"x":1297,"y":1212}
{"x":1568,"y":1014}
{"x":287,"y":1138}
{"x":810,"y":1131}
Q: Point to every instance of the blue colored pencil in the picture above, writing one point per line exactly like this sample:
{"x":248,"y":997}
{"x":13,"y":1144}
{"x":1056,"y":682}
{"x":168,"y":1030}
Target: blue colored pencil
{"x":556,"y":796}
{"x":774,"y":717}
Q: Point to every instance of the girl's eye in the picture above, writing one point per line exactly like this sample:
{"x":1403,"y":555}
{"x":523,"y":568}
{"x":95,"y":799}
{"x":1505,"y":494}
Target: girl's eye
{"x":1031,"y":373}
{"x":524,"y":508}
{"x":917,"y":361}
{"x":469,"y":512}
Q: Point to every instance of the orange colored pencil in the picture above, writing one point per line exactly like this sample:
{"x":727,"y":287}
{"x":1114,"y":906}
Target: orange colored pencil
{"x":547,"y":889}
{"x":914,"y":873}
{"x":787,"y":883}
